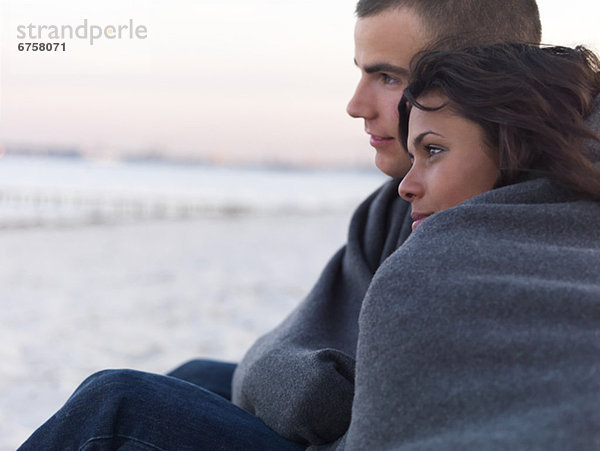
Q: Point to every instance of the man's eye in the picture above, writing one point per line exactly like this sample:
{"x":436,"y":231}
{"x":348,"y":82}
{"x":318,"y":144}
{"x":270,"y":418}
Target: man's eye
{"x":434,"y":150}
{"x":389,"y":80}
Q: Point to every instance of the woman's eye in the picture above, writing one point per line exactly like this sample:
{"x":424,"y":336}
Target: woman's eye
{"x":434,"y":150}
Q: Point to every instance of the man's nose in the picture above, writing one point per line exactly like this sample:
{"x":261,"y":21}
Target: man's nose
{"x":360,"y":105}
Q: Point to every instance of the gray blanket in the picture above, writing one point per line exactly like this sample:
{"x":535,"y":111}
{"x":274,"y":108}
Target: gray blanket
{"x":482,"y":331}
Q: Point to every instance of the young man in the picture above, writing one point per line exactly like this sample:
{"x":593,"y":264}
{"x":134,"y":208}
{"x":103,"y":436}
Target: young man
{"x":389,"y":33}
{"x":296,"y":384}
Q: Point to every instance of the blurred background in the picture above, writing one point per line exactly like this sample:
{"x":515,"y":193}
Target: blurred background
{"x":175,"y":196}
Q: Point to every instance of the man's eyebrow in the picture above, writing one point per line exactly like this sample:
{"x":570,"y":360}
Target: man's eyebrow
{"x":385,"y":67}
{"x":420,"y":137}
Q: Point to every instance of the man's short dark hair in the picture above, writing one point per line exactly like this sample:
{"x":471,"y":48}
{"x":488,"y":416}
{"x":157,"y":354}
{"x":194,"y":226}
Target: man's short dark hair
{"x":476,"y":21}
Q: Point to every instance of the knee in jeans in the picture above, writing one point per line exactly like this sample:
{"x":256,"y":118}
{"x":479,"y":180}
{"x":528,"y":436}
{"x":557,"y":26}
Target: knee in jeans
{"x":111,"y":385}
{"x":113,"y":378}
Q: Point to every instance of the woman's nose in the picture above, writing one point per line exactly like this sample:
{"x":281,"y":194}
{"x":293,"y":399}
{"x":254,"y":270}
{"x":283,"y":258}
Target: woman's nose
{"x":410,"y":187}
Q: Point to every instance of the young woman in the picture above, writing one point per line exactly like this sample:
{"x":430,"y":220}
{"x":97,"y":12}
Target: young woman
{"x":481,"y":330}
{"x":491,"y":116}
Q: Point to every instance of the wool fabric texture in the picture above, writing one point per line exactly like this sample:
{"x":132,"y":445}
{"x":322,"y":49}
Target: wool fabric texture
{"x":479,"y":331}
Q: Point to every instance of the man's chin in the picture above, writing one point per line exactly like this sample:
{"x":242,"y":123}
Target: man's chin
{"x":395,"y":167}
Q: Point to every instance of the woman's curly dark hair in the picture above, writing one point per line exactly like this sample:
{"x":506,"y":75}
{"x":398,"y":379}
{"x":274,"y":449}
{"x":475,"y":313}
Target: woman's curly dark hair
{"x":530,"y":101}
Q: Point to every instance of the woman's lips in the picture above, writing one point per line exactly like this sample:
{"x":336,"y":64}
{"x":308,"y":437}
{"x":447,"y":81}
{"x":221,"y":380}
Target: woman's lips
{"x":418,"y":218}
{"x":416,"y":223}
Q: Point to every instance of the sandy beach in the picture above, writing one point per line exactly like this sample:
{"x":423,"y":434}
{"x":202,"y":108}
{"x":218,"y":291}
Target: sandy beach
{"x":145,"y":296}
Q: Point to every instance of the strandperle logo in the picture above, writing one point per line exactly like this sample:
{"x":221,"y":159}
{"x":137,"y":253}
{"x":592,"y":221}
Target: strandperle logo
{"x":84,"y":31}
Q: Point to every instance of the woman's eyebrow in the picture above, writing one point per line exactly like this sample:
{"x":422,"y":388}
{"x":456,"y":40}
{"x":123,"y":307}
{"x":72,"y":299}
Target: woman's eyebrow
{"x":420,"y":137}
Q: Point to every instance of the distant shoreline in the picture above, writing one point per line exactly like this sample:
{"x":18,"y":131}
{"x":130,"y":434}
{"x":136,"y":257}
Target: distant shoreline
{"x":161,"y":158}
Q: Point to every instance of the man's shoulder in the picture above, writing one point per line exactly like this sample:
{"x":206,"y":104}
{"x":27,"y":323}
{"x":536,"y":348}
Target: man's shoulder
{"x":383,"y":198}
{"x":381,"y":223}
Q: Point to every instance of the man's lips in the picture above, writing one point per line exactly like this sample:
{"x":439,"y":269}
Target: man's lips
{"x":418,"y":218}
{"x":378,"y":141}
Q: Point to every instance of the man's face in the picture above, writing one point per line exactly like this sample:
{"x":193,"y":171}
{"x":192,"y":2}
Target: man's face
{"x":384,"y":45}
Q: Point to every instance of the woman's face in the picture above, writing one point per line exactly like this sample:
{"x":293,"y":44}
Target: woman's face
{"x":450,"y":160}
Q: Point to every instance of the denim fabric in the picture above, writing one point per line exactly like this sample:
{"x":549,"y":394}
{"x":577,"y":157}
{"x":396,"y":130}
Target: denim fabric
{"x":212,"y":375}
{"x":132,"y":410}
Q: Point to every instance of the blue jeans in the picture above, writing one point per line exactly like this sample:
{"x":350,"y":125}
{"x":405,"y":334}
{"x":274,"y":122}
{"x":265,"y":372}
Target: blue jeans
{"x":132,"y":410}
{"x":214,"y":376}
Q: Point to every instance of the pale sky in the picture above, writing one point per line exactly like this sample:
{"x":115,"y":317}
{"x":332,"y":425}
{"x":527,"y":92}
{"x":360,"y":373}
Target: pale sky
{"x":229,"y":79}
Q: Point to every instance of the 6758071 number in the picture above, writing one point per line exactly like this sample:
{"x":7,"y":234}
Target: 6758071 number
{"x":41,"y":46}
